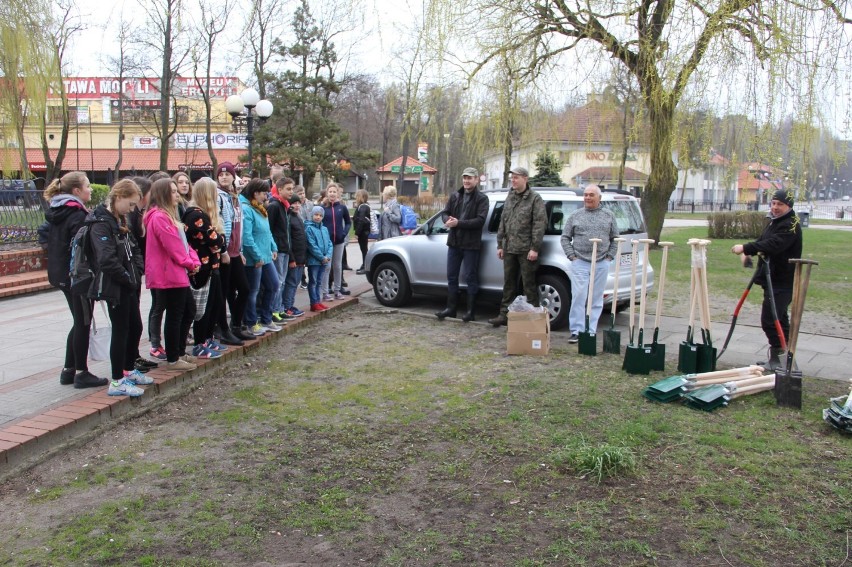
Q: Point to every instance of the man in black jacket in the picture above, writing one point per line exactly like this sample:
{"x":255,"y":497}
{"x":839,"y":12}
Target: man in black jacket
{"x":780,"y":241}
{"x":465,"y":216}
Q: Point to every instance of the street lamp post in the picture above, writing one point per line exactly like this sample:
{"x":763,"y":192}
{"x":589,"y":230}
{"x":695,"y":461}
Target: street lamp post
{"x":249,"y":100}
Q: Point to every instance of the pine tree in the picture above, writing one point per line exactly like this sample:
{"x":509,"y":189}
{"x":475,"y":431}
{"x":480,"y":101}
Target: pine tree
{"x":547,"y":170}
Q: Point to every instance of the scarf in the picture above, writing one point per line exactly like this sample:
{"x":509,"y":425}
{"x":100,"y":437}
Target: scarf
{"x":259,"y":207}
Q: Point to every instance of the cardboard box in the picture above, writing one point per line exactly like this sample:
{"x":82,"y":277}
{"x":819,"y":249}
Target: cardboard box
{"x":529,"y":333}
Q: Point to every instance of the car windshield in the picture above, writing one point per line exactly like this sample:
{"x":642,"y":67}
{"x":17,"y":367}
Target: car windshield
{"x":627,"y":215}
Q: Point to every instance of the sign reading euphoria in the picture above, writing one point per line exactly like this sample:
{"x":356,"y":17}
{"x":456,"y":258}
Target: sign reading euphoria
{"x":144,"y":88}
{"x":218,"y":141}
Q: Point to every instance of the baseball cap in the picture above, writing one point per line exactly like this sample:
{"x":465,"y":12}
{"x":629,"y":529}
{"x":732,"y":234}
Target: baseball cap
{"x":520,"y":171}
{"x":470,"y":172}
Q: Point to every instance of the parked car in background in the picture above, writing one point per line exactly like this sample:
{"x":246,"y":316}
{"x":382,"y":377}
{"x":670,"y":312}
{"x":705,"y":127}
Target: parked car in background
{"x":18,"y":192}
{"x":399,"y":267}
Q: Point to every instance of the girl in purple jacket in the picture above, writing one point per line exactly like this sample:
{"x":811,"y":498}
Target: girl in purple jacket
{"x":168,"y":262}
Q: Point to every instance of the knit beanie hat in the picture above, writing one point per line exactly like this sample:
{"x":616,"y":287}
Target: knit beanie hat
{"x":318,"y":210}
{"x":226,"y":166}
{"x":784,"y":196}
{"x":295,"y":199}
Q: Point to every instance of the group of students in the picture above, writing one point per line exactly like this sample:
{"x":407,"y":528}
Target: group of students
{"x":205,"y":249}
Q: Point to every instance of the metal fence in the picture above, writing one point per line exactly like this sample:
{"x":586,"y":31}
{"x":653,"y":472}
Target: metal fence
{"x":816,"y":210}
{"x":21,"y":213}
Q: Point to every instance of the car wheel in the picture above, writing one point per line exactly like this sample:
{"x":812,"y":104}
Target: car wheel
{"x":390,"y":284}
{"x":555,"y":295}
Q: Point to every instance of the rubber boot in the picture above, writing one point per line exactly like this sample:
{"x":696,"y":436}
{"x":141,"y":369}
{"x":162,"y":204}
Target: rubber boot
{"x":471,"y":309}
{"x":775,"y":354}
{"x":500,"y":319}
{"x":450,"y":309}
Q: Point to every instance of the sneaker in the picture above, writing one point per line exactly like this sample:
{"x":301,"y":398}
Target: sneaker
{"x":201,"y":352}
{"x":327,"y":297}
{"x":303,"y":286}
{"x":285,"y":316}
{"x":213,"y":344}
{"x":316,"y":307}
{"x":573,"y":339}
{"x":144,"y":363}
{"x":324,"y":306}
{"x":271,"y":327}
{"x":180,"y":365}
{"x":66,"y":377}
{"x":86,"y":379}
{"x":124,"y":387}
{"x":158,"y":352}
{"x":276,"y":318}
{"x":345,"y":291}
{"x":361,"y":271}
{"x":258,"y":330}
{"x":137,"y":378}
{"x":295,"y":312}
{"x":339,"y":296}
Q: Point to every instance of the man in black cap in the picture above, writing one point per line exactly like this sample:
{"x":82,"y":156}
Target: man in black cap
{"x":780,"y":241}
{"x":465,"y":216}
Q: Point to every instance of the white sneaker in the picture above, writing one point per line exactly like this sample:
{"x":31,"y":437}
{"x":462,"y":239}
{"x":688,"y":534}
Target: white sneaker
{"x":180,"y":366}
{"x":271,"y":327}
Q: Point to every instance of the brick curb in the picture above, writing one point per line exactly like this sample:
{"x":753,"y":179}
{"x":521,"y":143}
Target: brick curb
{"x":30,"y":440}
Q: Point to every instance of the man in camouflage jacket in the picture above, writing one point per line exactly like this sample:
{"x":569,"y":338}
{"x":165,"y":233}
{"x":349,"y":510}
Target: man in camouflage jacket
{"x":519,"y":239}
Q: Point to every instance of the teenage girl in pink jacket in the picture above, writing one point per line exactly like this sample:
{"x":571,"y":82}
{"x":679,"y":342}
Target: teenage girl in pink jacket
{"x":168,"y":262}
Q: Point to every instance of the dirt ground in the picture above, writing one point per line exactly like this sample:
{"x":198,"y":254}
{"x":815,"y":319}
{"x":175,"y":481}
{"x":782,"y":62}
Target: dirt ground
{"x":381,"y":439}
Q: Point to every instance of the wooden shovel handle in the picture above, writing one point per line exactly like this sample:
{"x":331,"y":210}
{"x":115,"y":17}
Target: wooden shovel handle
{"x":591,"y":290}
{"x":644,"y":293}
{"x":618,"y":242}
{"x":662,"y":285}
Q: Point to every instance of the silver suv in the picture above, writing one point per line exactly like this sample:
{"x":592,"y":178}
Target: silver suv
{"x":417,"y":263}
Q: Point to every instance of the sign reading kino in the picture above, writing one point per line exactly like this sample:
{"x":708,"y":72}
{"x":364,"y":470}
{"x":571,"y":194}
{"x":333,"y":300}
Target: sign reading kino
{"x":145,"y":88}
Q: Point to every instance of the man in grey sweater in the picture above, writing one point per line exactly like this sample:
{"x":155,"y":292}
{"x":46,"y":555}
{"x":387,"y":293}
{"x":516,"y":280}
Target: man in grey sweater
{"x":592,"y":221}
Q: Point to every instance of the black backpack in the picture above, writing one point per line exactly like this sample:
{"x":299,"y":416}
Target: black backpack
{"x":80,"y":269}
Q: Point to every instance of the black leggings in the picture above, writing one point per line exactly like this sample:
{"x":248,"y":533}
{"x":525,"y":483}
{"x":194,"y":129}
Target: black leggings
{"x":235,"y":289}
{"x":126,"y":332}
{"x":77,"y":343}
{"x":363,"y":239}
{"x":155,"y":319}
{"x":180,"y":310}
{"x":203,"y":328}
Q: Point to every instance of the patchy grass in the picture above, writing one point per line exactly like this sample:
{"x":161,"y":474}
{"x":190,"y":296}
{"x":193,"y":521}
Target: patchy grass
{"x":395,"y":440}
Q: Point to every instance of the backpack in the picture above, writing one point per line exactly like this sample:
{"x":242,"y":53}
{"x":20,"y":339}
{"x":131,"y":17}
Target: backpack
{"x":409,"y":218}
{"x":374,"y":223}
{"x":80,"y":269}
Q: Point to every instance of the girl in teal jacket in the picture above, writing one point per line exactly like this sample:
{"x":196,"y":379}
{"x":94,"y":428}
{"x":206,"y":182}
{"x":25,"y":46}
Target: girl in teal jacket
{"x":260,"y":251}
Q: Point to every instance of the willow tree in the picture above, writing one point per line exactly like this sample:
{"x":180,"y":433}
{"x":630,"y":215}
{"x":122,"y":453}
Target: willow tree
{"x":27,"y":72}
{"x":662,"y":43}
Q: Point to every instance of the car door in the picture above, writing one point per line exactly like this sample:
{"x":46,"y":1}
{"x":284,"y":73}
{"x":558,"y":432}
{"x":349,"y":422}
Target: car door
{"x":427,"y":248}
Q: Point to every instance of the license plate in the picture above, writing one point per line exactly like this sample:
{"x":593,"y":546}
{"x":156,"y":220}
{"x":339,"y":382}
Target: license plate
{"x":626,"y":259}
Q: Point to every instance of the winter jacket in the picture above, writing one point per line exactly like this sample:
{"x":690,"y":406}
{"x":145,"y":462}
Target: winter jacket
{"x":134,"y":222}
{"x":338,"y":222}
{"x":66,"y":215}
{"x":167,"y":253}
{"x":780,"y":241}
{"x":585,"y":224}
{"x":279,"y":224}
{"x":522,"y":223}
{"x":298,"y":239}
{"x":258,"y":244}
{"x":319,"y":243}
{"x":390,"y":219}
{"x":115,"y":258}
{"x":466,"y":235}
{"x":206,"y":241}
{"x":361,"y":220}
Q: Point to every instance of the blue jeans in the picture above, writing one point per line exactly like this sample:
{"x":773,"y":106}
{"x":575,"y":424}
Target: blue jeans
{"x":267,"y":277}
{"x":579,"y":275}
{"x":291,"y":284}
{"x":315,"y":290}
{"x":456,"y":257}
{"x":281,"y":262}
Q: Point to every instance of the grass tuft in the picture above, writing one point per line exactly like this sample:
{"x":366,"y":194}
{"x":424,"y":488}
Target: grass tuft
{"x":598,"y":462}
